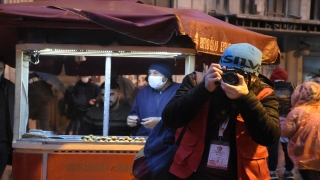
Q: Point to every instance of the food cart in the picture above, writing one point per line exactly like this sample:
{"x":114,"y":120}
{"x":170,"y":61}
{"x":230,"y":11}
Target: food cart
{"x":69,"y":154}
{"x":130,"y":30}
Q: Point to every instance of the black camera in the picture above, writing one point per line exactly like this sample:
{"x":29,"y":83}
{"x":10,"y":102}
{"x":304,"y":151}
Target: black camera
{"x":229,"y":75}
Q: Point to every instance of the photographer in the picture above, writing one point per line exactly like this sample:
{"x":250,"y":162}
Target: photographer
{"x":229,"y":121}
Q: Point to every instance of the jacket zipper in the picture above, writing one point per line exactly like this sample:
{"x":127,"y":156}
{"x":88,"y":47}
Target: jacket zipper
{"x":158,"y":100}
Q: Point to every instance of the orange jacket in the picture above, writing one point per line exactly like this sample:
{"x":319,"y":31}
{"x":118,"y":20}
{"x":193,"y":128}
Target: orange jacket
{"x":251,"y":157}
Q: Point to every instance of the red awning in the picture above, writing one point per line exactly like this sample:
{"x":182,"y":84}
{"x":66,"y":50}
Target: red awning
{"x":145,"y":23}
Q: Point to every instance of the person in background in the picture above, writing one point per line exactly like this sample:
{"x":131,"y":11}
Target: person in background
{"x":151,"y":100}
{"x":232,"y":110}
{"x":41,"y":86}
{"x":40,"y":96}
{"x":317,"y":79}
{"x":6,"y":117}
{"x":52,"y":80}
{"x":284,"y":91}
{"x":81,"y":99}
{"x":92,"y":123}
{"x":302,"y":127}
{"x":127,"y":89}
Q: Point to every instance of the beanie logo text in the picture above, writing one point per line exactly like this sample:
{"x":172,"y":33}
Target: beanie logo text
{"x":239,"y":61}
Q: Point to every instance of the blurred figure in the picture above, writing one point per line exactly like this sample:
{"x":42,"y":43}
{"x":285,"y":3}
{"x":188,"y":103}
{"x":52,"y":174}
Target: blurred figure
{"x":317,"y":79}
{"x":40,"y":97}
{"x":151,"y":100}
{"x":302,"y":128}
{"x":138,"y":88}
{"x":284,"y":90}
{"x":6,"y":117}
{"x":92,"y":122}
{"x":52,"y":80}
{"x":80,"y":99}
{"x":126,"y":88}
{"x":68,"y":101}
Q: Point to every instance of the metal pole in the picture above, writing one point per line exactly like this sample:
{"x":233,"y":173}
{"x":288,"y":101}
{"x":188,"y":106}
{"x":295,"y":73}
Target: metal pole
{"x":21,"y":111}
{"x":107,"y":96}
{"x":189,"y":64}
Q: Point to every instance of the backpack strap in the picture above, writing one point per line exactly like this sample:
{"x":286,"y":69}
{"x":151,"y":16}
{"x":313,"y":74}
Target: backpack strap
{"x":178,"y":141}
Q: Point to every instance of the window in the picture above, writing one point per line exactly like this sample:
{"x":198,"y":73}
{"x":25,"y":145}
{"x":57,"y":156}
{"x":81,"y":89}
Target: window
{"x":248,"y":7}
{"x":276,"y":8}
{"x":220,"y":6}
{"x":315,"y":10}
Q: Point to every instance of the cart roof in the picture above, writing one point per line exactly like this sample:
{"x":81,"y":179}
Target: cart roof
{"x":122,"y":23}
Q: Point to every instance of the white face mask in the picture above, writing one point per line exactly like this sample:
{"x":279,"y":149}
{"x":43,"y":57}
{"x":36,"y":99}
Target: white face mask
{"x":156,"y":82}
{"x":84,"y":79}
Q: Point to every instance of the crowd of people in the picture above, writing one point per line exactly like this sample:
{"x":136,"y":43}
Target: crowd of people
{"x":236,"y":117}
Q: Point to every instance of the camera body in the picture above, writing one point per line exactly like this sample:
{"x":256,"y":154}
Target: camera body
{"x":229,"y":75}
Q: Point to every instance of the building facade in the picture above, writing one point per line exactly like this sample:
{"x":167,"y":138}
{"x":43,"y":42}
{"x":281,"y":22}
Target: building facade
{"x":295,"y":23}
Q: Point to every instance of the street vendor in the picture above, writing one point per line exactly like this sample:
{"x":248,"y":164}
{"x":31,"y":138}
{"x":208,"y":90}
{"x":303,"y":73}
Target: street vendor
{"x":151,"y":100}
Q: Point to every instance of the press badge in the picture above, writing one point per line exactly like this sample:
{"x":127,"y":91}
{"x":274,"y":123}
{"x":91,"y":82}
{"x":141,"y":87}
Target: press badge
{"x":218,"y":155}
{"x":219,"y":151}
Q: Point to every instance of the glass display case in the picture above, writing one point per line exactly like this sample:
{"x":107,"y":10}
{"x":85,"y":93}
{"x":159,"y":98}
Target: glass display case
{"x":44,"y":155}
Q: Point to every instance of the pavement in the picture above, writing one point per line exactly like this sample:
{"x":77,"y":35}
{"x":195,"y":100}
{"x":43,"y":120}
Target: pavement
{"x":281,"y":168}
{"x":295,"y":172}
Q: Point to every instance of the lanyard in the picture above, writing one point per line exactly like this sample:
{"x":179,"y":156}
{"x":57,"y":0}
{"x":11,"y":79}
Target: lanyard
{"x":223,"y":128}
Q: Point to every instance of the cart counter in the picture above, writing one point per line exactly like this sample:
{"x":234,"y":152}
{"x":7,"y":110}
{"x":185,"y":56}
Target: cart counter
{"x":73,"y":158}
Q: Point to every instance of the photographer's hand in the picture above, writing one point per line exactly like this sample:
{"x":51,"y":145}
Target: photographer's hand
{"x":235,"y":91}
{"x":213,"y":75}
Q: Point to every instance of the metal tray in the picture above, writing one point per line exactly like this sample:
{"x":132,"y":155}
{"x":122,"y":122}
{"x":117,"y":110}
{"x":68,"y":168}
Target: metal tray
{"x":60,"y":139}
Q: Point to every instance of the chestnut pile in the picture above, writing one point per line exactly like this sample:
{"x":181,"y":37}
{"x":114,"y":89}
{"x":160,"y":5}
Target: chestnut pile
{"x":92,"y":138}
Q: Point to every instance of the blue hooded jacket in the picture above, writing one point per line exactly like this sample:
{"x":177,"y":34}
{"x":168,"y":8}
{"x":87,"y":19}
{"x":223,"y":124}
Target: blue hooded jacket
{"x":150,"y":103}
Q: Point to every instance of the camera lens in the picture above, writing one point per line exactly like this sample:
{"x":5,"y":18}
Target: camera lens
{"x":230,"y":78}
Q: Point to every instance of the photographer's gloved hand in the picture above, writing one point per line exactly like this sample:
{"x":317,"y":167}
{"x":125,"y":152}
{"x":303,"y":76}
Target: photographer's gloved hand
{"x":212,"y":76}
{"x":235,"y":91}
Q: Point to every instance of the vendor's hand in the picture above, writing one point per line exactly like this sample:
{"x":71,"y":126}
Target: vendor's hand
{"x":132,"y":120}
{"x":235,"y":91}
{"x":150,"y":122}
{"x":92,"y":101}
{"x":213,"y":77}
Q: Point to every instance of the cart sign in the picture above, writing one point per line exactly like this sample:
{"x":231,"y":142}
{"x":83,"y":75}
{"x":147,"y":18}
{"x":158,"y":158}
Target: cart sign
{"x":70,"y":166}
{"x":90,"y":166}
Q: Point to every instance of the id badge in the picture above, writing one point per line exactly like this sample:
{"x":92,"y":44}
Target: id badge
{"x":218,"y":155}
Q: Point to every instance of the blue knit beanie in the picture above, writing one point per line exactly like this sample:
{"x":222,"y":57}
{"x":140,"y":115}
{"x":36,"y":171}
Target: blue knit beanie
{"x":162,"y":67}
{"x":243,"y":56}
